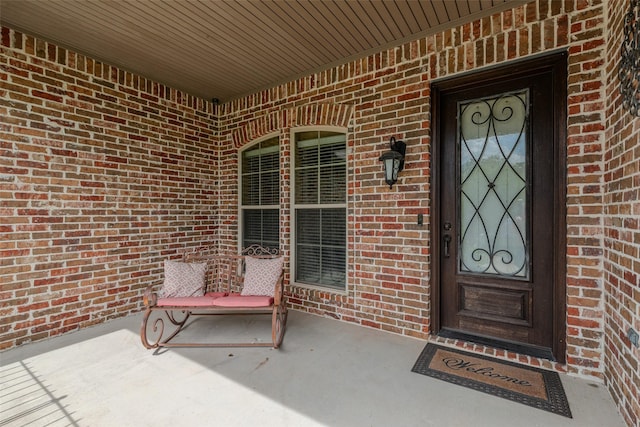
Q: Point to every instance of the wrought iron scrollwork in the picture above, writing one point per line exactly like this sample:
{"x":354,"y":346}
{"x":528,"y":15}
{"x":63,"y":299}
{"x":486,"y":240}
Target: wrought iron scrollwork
{"x":629,"y":71}
{"x":257,"y":250}
{"x":493,"y":185}
{"x":153,"y":333}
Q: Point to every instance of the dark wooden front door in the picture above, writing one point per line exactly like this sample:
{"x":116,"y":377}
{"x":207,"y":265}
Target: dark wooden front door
{"x":498,"y":228}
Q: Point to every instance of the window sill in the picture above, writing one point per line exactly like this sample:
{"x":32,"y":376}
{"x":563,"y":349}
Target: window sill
{"x":319,"y":288}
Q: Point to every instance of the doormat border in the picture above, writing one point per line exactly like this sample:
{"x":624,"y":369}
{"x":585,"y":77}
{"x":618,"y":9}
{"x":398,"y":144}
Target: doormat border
{"x":557,"y":400}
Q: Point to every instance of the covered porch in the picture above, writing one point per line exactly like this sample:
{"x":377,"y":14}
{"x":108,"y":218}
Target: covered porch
{"x":128,"y":137}
{"x":327,"y":373}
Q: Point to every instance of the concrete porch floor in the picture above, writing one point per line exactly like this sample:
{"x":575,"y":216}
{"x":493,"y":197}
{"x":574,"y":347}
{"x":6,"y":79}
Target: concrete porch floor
{"x":327,"y":373}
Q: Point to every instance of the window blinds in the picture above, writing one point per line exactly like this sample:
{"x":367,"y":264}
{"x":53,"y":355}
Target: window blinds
{"x":260,"y":195}
{"x":320,"y":214}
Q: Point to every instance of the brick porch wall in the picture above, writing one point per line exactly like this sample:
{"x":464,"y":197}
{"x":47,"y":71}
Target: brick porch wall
{"x":622,"y":232}
{"x":102,"y":175}
{"x":84,"y":147}
{"x":388,"y":93}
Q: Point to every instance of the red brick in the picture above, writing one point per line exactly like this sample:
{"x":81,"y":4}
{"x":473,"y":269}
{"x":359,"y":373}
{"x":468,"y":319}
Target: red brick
{"x":107,"y":156}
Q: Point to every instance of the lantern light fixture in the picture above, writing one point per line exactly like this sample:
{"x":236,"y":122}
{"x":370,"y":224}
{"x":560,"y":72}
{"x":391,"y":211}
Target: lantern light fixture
{"x":393,"y":161}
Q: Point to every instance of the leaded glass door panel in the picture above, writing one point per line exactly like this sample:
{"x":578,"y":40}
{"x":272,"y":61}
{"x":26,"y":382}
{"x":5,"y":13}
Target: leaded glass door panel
{"x":495,"y":229}
{"x":493,"y":185}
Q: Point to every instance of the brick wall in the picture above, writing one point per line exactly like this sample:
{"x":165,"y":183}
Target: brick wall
{"x":388,"y":276}
{"x":622,"y":232}
{"x":102,"y":175}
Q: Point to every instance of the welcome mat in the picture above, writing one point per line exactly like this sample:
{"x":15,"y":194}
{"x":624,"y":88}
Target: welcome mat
{"x":531,"y":386}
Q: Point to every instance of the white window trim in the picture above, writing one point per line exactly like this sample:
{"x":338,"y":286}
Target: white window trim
{"x":346,"y":205}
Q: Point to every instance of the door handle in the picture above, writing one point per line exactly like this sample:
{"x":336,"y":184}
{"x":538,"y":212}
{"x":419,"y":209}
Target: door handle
{"x":447,"y":240}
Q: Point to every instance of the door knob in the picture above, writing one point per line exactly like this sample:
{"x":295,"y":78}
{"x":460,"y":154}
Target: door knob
{"x":447,"y":240}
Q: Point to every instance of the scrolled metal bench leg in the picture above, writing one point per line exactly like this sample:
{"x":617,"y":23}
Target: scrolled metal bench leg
{"x":179,"y":323}
{"x":158,"y":324}
{"x":143,"y":329}
{"x":283,"y":321}
{"x":158,"y":328}
{"x":278,"y":324}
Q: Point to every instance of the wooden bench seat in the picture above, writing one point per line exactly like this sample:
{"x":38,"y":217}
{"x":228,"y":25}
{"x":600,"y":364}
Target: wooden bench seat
{"x":223,"y":292}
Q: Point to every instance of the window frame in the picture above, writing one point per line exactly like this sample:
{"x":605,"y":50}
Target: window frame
{"x":241,"y":206}
{"x":294,"y":206}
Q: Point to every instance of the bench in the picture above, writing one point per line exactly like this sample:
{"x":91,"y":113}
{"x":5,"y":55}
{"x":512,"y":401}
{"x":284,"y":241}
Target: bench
{"x":204,"y":285}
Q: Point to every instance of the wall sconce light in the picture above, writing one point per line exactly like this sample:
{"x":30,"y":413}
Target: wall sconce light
{"x":393,"y":161}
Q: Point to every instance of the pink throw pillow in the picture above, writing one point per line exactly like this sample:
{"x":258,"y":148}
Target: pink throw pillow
{"x":261,"y":276}
{"x":182,"y":279}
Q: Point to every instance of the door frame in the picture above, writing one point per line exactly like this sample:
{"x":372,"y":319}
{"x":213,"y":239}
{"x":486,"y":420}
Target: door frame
{"x":556,"y":63}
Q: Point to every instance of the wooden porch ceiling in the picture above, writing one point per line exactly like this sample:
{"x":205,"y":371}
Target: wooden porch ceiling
{"x":229,"y":48}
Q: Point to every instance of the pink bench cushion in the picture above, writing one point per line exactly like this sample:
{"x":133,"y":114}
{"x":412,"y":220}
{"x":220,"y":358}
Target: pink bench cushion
{"x":186,"y":302}
{"x":243,"y":301}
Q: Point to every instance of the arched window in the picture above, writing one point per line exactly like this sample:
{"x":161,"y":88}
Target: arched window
{"x":260,"y":194}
